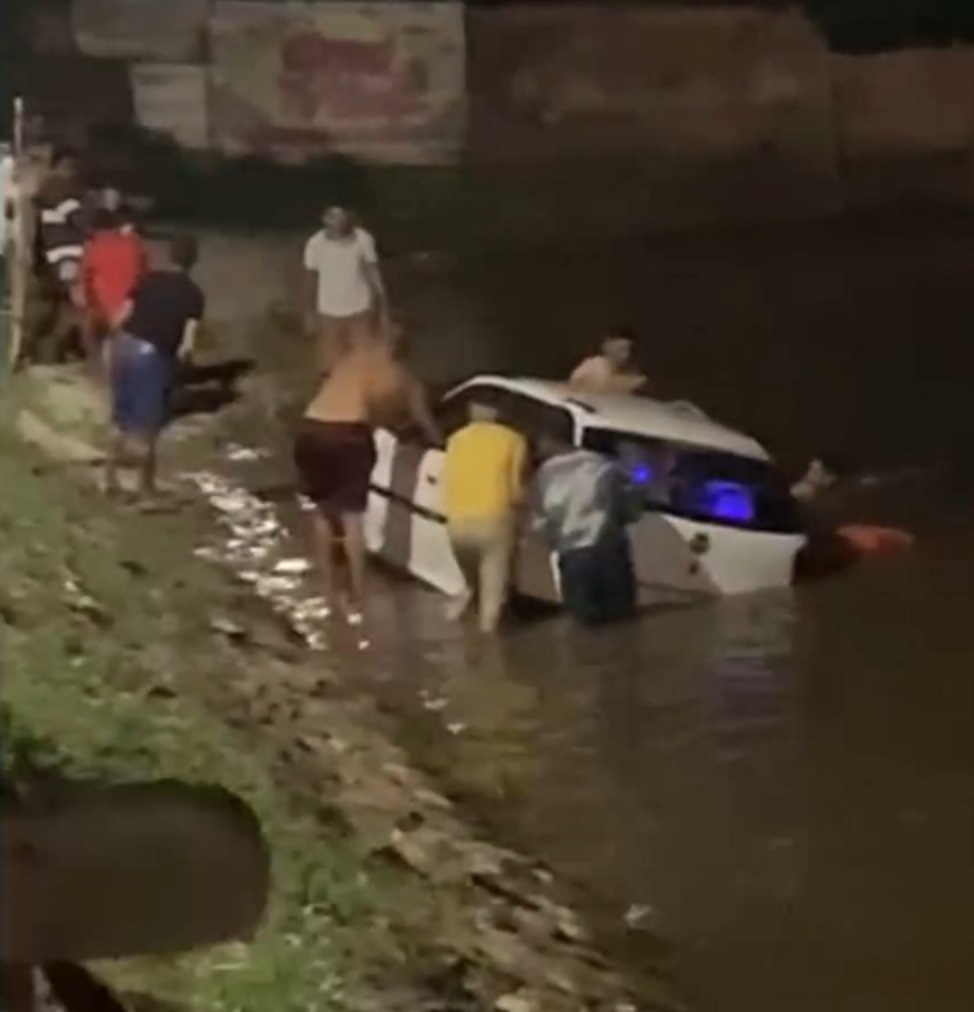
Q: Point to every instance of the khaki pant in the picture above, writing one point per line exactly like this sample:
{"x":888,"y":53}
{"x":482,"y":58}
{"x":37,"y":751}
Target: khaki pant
{"x":483,"y":550}
{"x":336,"y":333}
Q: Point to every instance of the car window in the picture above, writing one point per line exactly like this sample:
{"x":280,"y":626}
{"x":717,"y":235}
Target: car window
{"x":702,"y":484}
{"x":534,"y":418}
{"x":453,"y":412}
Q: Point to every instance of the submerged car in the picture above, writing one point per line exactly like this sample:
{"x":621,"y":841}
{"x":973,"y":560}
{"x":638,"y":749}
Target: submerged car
{"x":719,"y":517}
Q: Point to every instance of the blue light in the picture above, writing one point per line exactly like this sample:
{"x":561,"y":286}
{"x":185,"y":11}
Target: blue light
{"x":729,"y":502}
{"x":641,"y":474}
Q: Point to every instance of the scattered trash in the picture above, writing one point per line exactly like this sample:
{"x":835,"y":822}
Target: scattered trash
{"x":294,"y":567}
{"x":639,"y":916}
{"x":84,"y":604}
{"x":227,"y":627}
{"x":238,"y":454}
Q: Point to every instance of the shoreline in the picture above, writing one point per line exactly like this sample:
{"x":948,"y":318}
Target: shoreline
{"x":494,"y":913}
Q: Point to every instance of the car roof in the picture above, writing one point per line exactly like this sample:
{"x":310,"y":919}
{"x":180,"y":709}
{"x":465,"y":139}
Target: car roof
{"x":676,"y":422}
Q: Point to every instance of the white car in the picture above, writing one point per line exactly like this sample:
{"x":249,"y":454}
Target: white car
{"x":719,"y":518}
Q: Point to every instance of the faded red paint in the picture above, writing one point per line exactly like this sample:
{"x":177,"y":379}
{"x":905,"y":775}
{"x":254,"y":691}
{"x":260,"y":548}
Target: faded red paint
{"x":349,"y":78}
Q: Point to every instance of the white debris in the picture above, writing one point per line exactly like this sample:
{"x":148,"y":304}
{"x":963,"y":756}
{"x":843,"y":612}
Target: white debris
{"x":238,"y":453}
{"x":294,"y":567}
{"x":639,"y":916}
{"x":255,"y":538}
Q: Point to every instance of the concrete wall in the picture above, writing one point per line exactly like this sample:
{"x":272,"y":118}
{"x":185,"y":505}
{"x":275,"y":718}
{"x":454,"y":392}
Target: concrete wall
{"x":752,"y":94}
{"x":672,"y":115}
{"x":550,"y":81}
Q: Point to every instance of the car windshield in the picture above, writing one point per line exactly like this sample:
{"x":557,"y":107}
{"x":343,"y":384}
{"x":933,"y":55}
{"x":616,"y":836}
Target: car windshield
{"x":702,"y":484}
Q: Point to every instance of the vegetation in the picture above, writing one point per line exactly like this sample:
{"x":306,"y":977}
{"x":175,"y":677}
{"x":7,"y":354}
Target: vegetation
{"x":95,"y":652}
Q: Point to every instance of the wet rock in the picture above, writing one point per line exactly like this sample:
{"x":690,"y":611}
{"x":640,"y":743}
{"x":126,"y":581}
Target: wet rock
{"x":83,"y":604}
{"x":520,"y":1002}
{"x":227,"y":627}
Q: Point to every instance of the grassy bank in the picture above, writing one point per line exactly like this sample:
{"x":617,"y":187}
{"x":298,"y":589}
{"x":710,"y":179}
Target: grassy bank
{"x":105,"y":619}
{"x":126,"y":658}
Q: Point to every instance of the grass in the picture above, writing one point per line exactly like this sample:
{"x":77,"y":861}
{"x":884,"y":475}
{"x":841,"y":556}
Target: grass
{"x":82,"y":695}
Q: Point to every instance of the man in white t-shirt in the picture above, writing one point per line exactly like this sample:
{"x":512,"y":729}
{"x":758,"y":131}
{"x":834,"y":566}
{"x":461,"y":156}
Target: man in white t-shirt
{"x":344,"y":289}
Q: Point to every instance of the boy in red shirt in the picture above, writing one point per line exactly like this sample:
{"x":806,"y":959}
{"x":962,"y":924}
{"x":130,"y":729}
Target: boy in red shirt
{"x":114,"y":260}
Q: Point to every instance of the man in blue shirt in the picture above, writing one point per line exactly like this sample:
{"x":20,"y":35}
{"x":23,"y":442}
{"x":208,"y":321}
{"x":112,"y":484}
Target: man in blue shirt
{"x":582,"y":506}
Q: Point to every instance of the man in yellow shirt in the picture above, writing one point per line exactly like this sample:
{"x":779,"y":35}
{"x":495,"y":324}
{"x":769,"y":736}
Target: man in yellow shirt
{"x":484,"y":479}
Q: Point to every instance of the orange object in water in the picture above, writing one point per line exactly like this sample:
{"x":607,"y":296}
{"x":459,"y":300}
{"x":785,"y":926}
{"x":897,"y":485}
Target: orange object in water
{"x":865,"y":539}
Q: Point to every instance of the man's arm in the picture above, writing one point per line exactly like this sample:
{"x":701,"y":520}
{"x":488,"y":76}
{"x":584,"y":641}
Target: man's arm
{"x":191,"y":327}
{"x":309,"y":285}
{"x":123,"y":315}
{"x":628,"y":382}
{"x":187,"y":347}
{"x":519,"y":470}
{"x":373,"y":273}
{"x":417,"y":404}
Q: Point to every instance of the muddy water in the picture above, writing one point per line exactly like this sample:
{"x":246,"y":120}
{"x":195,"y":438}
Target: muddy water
{"x":783,"y":788}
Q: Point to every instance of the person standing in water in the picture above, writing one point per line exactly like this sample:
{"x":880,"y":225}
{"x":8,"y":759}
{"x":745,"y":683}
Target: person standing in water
{"x":613,"y":370}
{"x":583,"y":506}
{"x":344,"y":291}
{"x":484,"y":471}
{"x":334,"y":450}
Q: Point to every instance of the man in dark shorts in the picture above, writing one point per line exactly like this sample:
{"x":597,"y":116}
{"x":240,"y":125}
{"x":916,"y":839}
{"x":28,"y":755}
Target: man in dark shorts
{"x":334,"y":449}
{"x":157,"y":329}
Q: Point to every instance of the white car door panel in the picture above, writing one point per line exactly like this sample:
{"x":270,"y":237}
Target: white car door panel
{"x":431,"y":556}
{"x":377,"y":512}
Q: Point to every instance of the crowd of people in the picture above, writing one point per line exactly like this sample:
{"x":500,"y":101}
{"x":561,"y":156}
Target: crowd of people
{"x":493,"y":482}
{"x":131,"y":321}
{"x":137,"y":322}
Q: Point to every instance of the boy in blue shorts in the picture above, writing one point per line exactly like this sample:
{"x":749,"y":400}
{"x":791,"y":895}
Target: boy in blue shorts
{"x":158,"y":329}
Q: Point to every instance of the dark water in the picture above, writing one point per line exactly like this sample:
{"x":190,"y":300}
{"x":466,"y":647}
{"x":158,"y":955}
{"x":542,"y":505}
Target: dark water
{"x":781,"y":787}
{"x":854,"y":338}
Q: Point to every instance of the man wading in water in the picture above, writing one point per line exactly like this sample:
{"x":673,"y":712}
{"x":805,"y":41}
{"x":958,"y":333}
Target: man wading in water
{"x":334,"y":449}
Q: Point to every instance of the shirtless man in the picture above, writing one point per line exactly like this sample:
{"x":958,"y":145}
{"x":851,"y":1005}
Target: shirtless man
{"x":613,"y":371}
{"x":334,"y":449}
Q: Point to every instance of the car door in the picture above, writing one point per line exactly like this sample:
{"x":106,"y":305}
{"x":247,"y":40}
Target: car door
{"x":407,"y":528}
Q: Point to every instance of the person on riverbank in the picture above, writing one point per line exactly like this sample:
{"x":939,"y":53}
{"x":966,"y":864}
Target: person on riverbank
{"x":62,"y":221}
{"x":582,"y":506}
{"x":157,"y":329}
{"x":8,"y":200}
{"x":613,"y":370}
{"x":113,"y":261}
{"x":334,"y":449}
{"x":345,"y":293}
{"x":484,"y":471}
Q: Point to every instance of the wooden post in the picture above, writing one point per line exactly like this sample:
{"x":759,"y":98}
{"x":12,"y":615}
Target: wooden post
{"x":23,"y":230}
